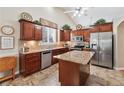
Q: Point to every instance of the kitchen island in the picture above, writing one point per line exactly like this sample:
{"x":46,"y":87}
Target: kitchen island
{"x":74,"y":67}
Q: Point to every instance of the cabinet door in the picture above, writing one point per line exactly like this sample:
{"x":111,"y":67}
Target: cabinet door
{"x":37,"y":32}
{"x":54,"y":53}
{"x":74,"y":33}
{"x":106,"y":27}
{"x":66,"y":35}
{"x":28,"y":68}
{"x":31,"y":63}
{"x":86,"y":36}
{"x":27,"y":30}
{"x":61,"y":35}
{"x":81,"y":32}
{"x":64,"y":50}
{"x":77,"y":33}
{"x":94,"y":29}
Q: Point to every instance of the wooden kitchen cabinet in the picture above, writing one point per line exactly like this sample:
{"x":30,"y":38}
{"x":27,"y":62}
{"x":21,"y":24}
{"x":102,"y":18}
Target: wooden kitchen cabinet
{"x":74,"y":33}
{"x":26,"y":30}
{"x":57,"y":52}
{"x":29,"y":63}
{"x":61,"y":35}
{"x":94,"y":29}
{"x":73,"y":74}
{"x":77,"y":33}
{"x":86,"y":35}
{"x":30,"y":31}
{"x":37,"y":32}
{"x":106,"y":27}
{"x":65,"y":35}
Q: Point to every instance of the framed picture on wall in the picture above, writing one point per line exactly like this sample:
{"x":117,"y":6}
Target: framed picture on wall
{"x":7,"y":42}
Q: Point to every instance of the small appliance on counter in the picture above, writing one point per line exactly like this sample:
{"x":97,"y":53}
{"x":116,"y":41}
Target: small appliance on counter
{"x":24,"y":49}
{"x":66,"y":45}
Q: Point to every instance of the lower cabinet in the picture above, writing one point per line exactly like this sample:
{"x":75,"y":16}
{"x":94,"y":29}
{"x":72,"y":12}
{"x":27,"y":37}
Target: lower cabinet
{"x":30,"y":63}
{"x":57,"y":52}
{"x":86,"y":49}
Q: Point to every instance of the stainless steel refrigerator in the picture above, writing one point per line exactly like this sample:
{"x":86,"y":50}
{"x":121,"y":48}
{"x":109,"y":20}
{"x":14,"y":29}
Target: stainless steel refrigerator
{"x":101,"y":44}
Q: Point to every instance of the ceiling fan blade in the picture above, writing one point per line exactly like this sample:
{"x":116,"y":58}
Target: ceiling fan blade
{"x":69,"y":11}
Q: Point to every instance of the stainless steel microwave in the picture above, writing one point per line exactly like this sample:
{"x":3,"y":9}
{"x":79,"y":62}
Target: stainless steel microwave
{"x":77,"y":38}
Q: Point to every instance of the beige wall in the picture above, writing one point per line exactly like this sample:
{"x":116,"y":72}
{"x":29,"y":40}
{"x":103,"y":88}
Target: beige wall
{"x":120,"y":43}
{"x":10,"y":16}
{"x":118,"y":64}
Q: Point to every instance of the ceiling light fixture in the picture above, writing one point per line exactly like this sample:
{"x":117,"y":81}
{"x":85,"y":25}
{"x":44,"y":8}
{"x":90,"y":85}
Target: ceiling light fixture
{"x":74,"y":14}
{"x":78,"y":11}
{"x":79,"y":15}
{"x":82,"y":12}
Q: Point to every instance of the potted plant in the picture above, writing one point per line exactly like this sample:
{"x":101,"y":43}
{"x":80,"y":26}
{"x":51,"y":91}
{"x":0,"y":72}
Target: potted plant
{"x":100,"y":21}
{"x":66,"y":27}
{"x":37,"y":22}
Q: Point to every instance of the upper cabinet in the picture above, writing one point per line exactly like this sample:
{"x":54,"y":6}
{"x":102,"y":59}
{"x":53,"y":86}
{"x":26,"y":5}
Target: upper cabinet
{"x":94,"y":29}
{"x":106,"y":27}
{"x":26,"y":30}
{"x":30,"y":31}
{"x":37,"y":32}
{"x":77,"y":33}
{"x":86,"y":35}
{"x":65,"y":35}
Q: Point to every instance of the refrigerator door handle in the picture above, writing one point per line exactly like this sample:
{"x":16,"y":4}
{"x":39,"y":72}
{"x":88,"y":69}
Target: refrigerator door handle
{"x":98,"y":48}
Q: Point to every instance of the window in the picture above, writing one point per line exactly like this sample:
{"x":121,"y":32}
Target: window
{"x":49,"y":35}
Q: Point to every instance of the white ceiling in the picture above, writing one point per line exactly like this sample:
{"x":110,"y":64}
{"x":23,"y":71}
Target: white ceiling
{"x":108,"y":13}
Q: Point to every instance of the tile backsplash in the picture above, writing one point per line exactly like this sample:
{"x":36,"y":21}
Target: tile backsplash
{"x":32,"y":45}
{"x":37,"y":45}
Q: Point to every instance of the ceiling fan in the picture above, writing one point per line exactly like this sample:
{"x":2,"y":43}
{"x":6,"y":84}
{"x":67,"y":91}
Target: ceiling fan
{"x":78,"y":11}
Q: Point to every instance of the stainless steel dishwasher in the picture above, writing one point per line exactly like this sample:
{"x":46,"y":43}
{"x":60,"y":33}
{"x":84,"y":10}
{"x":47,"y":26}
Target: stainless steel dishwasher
{"x":46,"y":59}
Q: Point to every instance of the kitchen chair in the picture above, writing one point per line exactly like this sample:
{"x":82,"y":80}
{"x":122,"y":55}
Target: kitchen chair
{"x":8,"y":64}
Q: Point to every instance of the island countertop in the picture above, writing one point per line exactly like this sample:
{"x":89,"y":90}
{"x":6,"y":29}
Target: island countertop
{"x":80,"y":57}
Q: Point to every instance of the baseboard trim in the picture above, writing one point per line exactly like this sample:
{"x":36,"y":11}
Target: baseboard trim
{"x":119,"y":68}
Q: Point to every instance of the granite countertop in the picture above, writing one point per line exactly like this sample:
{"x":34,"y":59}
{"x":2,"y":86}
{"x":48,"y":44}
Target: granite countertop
{"x":40,"y":50}
{"x":80,"y":57}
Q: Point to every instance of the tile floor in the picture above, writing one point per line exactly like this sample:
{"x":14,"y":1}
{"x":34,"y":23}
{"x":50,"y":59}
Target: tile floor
{"x":49,"y":77}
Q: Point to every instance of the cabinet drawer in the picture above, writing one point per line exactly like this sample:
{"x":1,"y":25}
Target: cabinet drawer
{"x":32,"y":55}
{"x":30,"y":63}
{"x":32,"y":59}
